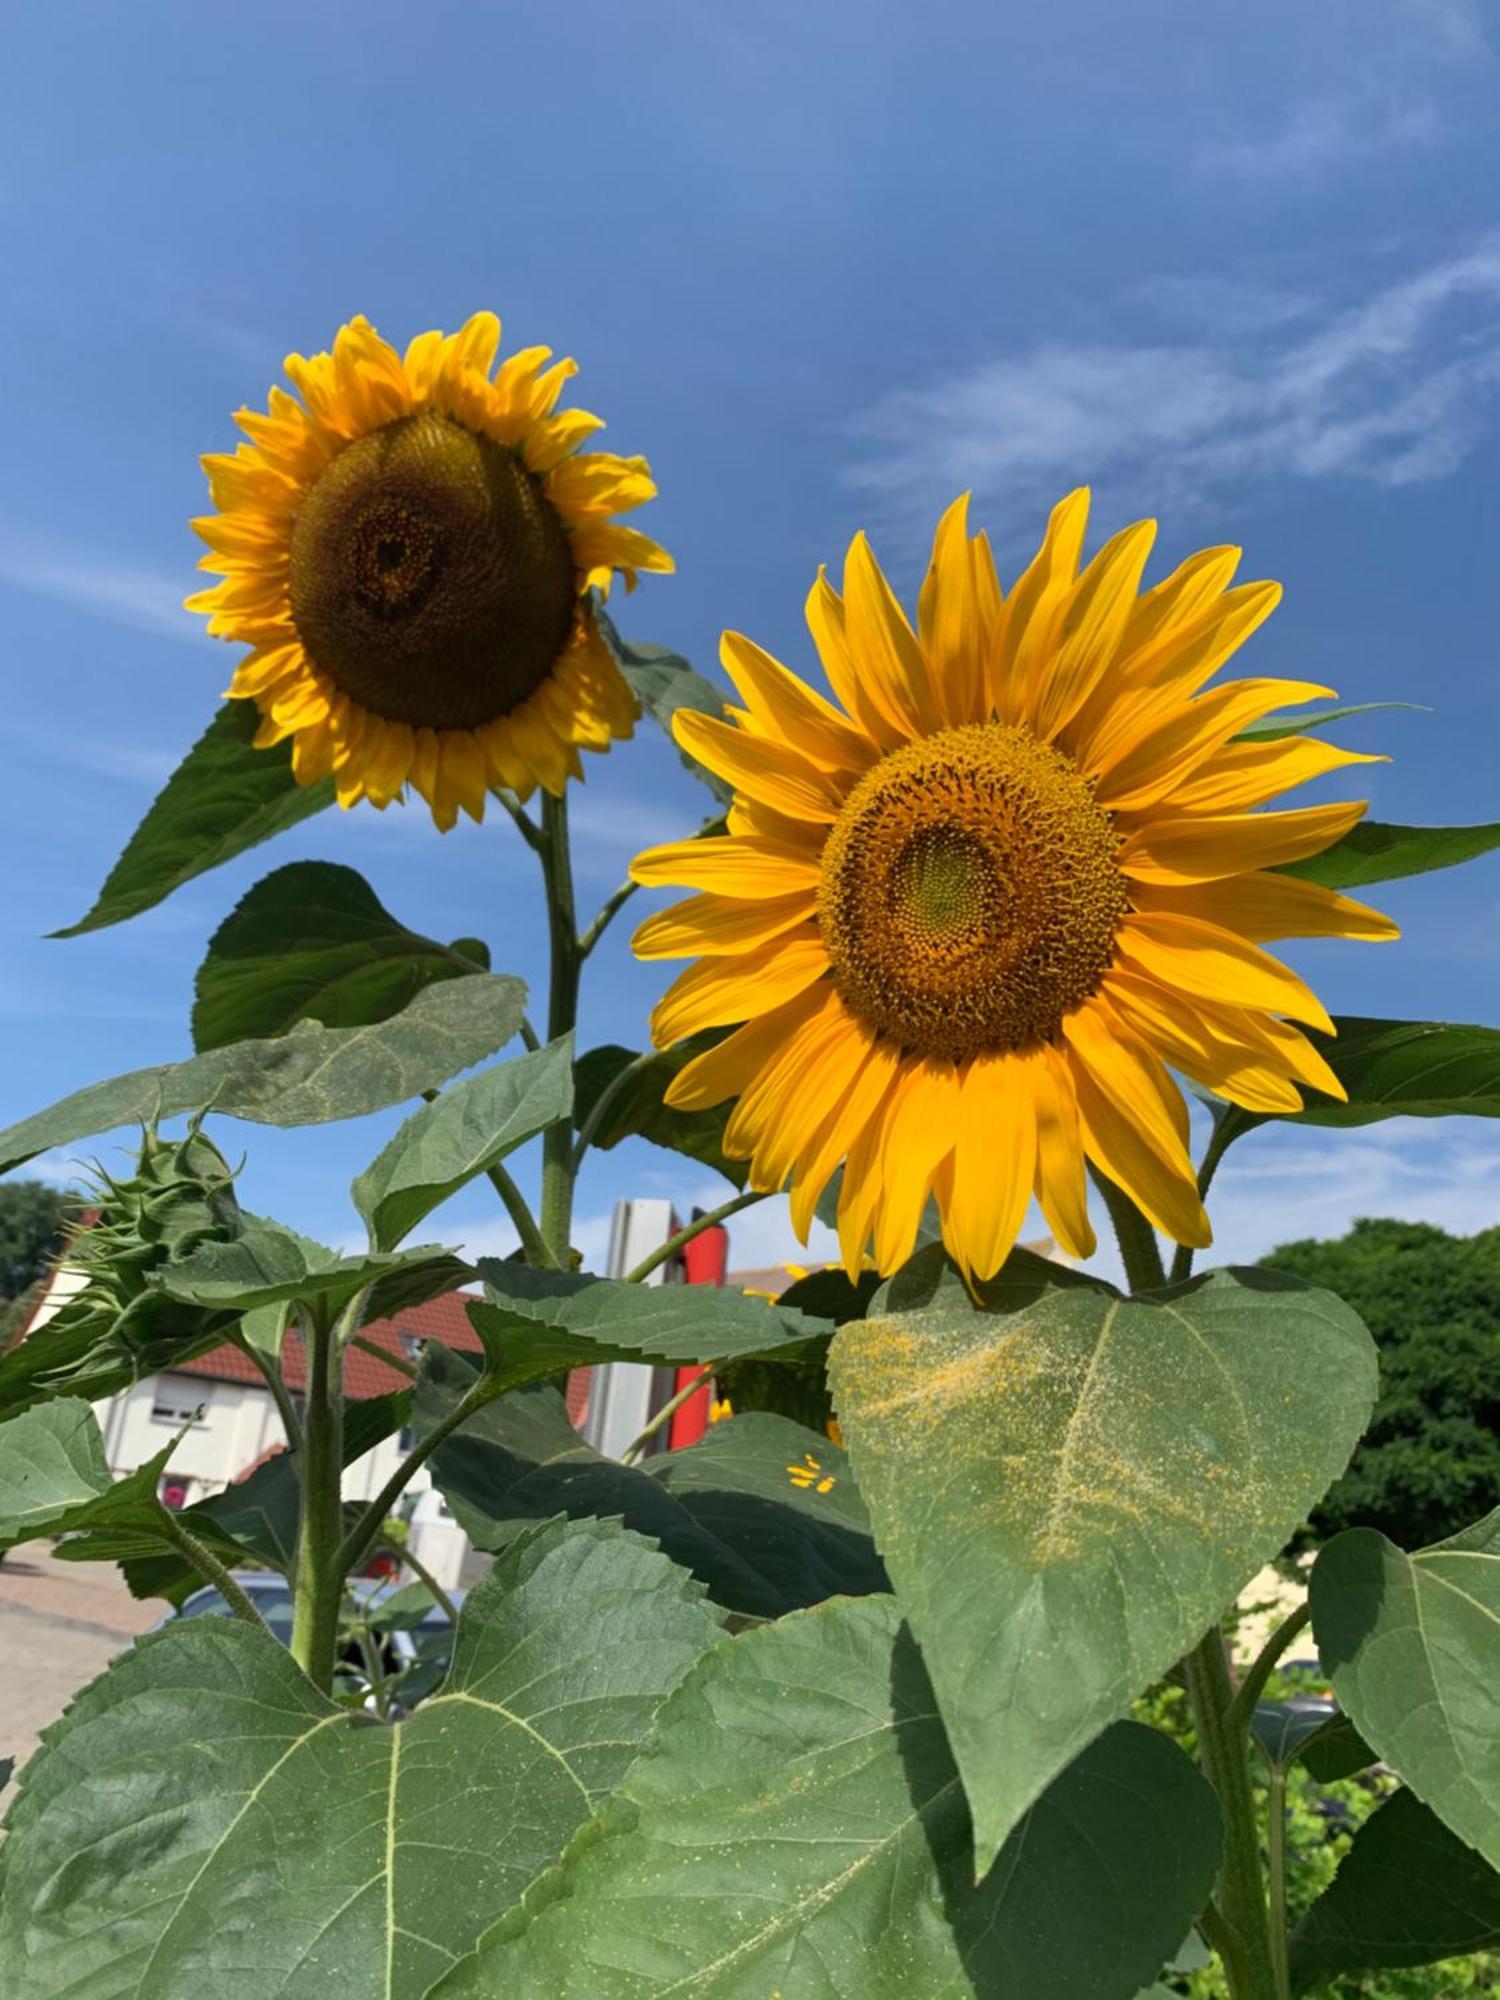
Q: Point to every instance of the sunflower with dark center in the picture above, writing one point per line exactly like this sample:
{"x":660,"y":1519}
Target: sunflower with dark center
{"x":408,"y":553}
{"x":965,"y":920}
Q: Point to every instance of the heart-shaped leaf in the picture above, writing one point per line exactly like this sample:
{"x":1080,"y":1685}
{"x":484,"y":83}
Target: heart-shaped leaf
{"x":465,"y":1132}
{"x":1412,"y":1646}
{"x":1408,"y":1892}
{"x":1376,"y":852}
{"x":312,"y":941}
{"x":307,"y":1077}
{"x":1069,"y":1492}
{"x":267,"y":1264}
{"x":223,"y":797}
{"x":54,"y":1476}
{"x":247,"y":1837}
{"x":796,"y":1826}
{"x":763,"y":1512}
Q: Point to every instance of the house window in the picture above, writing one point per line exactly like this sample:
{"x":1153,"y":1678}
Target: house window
{"x":406,"y":1441}
{"x":177,"y":1402}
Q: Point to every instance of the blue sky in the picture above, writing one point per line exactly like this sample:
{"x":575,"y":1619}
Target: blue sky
{"x":826,"y":266}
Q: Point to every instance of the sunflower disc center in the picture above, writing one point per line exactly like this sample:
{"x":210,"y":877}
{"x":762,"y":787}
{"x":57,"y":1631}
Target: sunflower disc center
{"x":969,"y":896}
{"x":429,"y":577}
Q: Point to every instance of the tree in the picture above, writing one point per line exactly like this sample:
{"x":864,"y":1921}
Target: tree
{"x":32,"y":1221}
{"x":1430,"y":1461}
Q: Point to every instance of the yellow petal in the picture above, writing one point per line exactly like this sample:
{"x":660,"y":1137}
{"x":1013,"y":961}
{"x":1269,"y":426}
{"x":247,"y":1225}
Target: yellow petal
{"x":863,"y":1183}
{"x":1247,"y":774}
{"x":788,"y":709}
{"x":841,"y":1129}
{"x":771,"y":772}
{"x":1034,"y":608}
{"x":1061,"y":1179}
{"x":950,"y":619}
{"x":1209,"y":845}
{"x":1092,"y":628}
{"x":884,"y":646}
{"x":732,"y":1065}
{"x":919,"y":1137}
{"x":1132,"y":1118}
{"x":1163,"y":756}
{"x":1189,"y":1035}
{"x":994,"y":1163}
{"x":741,"y":865}
{"x":1200,"y":958}
{"x":715,"y":992}
{"x":1264,"y":905}
{"x":716,"y":927}
{"x":828,"y":624}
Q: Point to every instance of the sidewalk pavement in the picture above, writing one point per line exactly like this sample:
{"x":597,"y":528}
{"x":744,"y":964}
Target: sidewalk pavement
{"x":60,"y":1623}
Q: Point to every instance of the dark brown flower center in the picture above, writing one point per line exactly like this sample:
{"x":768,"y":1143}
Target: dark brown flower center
{"x":969,"y":896}
{"x":429,"y":577}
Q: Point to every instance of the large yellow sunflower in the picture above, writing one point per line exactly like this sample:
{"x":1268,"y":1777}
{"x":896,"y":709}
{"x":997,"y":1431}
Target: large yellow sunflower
{"x":407,"y":551}
{"x":968,"y":919}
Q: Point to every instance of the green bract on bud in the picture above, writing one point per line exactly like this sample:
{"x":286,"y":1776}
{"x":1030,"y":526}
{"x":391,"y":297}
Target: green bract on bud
{"x":181,"y":1195}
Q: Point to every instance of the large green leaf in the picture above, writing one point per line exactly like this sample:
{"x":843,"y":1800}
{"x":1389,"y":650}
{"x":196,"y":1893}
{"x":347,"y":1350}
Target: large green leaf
{"x":1374,"y":852}
{"x":542,"y":1321}
{"x":54,"y":1476}
{"x":267,"y":1264}
{"x":1412,"y":1646}
{"x":1275,"y":727}
{"x":307,"y":1077}
{"x":1067,"y":1492}
{"x":796,"y":1827}
{"x":204,"y":1821}
{"x":312,"y":941}
{"x":223,"y":798}
{"x":1408,"y":1892}
{"x":466,"y":1131}
{"x":1397,"y":1069}
{"x":662,"y":682}
{"x":637,"y":1110}
{"x":253,"y":1521}
{"x":763,"y":1512}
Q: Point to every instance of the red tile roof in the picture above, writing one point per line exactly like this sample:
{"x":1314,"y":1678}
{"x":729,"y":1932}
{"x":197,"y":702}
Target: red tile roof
{"x":442,"y":1319}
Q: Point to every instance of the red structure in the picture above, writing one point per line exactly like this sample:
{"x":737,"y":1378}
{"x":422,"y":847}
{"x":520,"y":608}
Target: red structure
{"x":704,"y":1262}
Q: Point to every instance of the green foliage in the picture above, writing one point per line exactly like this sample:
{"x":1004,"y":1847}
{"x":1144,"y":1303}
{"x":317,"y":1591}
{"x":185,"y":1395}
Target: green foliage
{"x":53,"y":1476}
{"x":223,"y":798}
{"x":208,"y":1768}
{"x":662,"y":682}
{"x":1076,"y":1411}
{"x":313,"y":942}
{"x":764,"y":1513}
{"x":33,"y":1223}
{"x":1375,"y":852}
{"x":1430,"y":1459}
{"x":810,"y":1750}
{"x":635,"y":1108}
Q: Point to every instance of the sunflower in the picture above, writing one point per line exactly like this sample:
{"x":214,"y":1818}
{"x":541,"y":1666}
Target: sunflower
{"x":964,"y":922}
{"x":408,"y":553}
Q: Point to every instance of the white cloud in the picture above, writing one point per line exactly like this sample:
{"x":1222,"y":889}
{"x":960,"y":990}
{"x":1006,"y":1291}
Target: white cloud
{"x":1394,"y":389}
{"x":1322,"y":136}
{"x":121,"y":592}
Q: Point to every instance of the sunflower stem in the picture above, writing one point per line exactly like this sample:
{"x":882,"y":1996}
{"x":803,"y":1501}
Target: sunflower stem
{"x":318,"y":1581}
{"x":595,"y":1118}
{"x":695,"y":1228}
{"x":562,"y":1015}
{"x":609,"y":909}
{"x":1139,"y":1250}
{"x":1213,"y":1152}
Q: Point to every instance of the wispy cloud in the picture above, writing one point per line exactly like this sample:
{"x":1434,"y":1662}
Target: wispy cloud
{"x":1392,"y":389}
{"x":121,"y":592}
{"x":1325,"y":135}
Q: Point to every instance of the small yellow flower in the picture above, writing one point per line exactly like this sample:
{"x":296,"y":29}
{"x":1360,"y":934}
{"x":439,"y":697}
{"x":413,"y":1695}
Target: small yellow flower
{"x":408,"y":552}
{"x":810,"y":1475}
{"x":720,"y":1410}
{"x":835,"y":1431}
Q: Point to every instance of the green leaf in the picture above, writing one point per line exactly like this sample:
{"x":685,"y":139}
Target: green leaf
{"x":1335,"y":1751}
{"x":729,"y":1509}
{"x":54,"y":1476}
{"x":1068,"y":1492}
{"x":1396,"y":1069}
{"x":1374,"y":852}
{"x":1408,"y":1892}
{"x":310,"y":1076}
{"x":247,"y":1837}
{"x":662,"y":682}
{"x":1411,"y":1644}
{"x":267,"y":1264}
{"x":223,"y":797}
{"x":1277,"y":726}
{"x":1283,"y":1731}
{"x":313,"y":942}
{"x":466,"y":1131}
{"x":638,"y":1111}
{"x":543,"y":1321}
{"x":796,"y":1827}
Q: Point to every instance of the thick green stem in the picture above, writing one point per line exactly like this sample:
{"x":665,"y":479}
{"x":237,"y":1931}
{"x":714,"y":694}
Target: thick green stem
{"x":1276,"y":1867}
{"x":562,"y":1014}
{"x":695,"y":1228}
{"x":1139,"y":1251}
{"x":532,"y":1241}
{"x":1223,"y":1750}
{"x":208,"y":1566}
{"x":1265,"y":1665}
{"x":318,"y":1580}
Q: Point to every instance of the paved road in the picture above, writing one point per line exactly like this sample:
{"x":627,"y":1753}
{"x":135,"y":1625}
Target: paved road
{"x":59,"y":1624}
